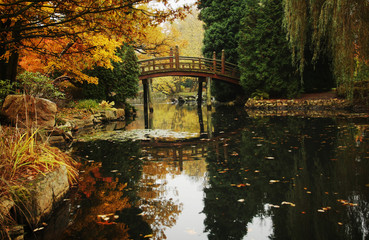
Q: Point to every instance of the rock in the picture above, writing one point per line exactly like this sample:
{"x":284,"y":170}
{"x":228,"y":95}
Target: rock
{"x":5,"y":205}
{"x":107,"y":115}
{"x":29,"y":111}
{"x":43,"y":193}
{"x":120,"y":114}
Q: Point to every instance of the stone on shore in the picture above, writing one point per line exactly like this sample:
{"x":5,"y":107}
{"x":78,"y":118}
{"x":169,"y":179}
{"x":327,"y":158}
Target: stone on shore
{"x":29,"y":111}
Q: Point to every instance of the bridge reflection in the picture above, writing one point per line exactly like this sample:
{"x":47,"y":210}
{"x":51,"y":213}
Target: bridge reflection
{"x":192,"y":149}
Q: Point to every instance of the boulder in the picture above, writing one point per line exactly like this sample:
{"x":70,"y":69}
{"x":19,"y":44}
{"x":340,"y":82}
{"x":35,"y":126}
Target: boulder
{"x":43,"y":194}
{"x":29,"y":111}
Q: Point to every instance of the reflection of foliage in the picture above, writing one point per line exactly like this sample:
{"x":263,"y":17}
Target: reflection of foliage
{"x":105,"y":199}
{"x":158,"y":211}
{"x":116,"y":158}
{"x":182,"y":119}
{"x":117,"y":164}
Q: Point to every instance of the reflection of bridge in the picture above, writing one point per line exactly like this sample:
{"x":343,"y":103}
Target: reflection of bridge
{"x":188,"y":149}
{"x":175,"y":65}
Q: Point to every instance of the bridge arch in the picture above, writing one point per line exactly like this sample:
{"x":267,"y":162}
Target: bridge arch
{"x":176,"y":65}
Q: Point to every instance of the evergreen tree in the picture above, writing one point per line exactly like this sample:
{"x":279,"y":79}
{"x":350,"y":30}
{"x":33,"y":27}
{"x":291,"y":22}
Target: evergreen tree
{"x":222,"y":23}
{"x":265,"y":59}
{"x":116,"y":84}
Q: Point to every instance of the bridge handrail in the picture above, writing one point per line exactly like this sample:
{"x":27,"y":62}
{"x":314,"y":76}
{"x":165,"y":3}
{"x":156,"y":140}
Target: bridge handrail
{"x":186,"y":63}
{"x":186,"y":57}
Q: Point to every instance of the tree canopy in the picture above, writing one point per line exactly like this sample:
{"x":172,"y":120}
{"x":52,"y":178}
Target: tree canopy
{"x":265,"y":58}
{"x":82,"y":32}
{"x":339,"y":28}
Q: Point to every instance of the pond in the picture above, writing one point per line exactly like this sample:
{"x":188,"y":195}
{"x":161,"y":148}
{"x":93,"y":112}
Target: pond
{"x":223,"y":174}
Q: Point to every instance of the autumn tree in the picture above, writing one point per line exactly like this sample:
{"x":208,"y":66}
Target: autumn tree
{"x":188,"y":37}
{"x":67,"y":33}
{"x":115,"y":84}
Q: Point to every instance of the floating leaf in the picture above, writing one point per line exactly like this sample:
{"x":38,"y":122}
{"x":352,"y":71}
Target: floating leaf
{"x":269,"y":158}
{"x":241,"y":200}
{"x":288,"y":203}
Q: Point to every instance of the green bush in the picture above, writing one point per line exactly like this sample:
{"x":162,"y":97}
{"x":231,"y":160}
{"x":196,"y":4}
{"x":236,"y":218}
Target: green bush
{"x":87,"y":104}
{"x":38,"y":85}
{"x":6,"y":88}
{"x":259,"y":95}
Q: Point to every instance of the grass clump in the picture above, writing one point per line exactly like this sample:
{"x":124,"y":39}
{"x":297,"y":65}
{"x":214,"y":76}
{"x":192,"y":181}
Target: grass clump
{"x":22,"y":158}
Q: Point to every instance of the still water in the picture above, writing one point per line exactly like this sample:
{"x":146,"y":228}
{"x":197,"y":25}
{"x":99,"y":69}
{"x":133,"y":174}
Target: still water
{"x":224,"y":174}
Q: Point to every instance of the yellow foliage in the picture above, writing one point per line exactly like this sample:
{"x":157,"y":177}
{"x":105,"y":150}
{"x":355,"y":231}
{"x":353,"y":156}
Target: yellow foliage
{"x":70,"y":39}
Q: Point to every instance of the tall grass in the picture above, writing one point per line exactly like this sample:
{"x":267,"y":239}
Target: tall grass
{"x":23,"y":157}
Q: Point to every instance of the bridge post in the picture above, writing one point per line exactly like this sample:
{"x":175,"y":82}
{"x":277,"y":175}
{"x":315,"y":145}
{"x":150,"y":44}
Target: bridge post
{"x":146,"y":112}
{"x":177,"y":57}
{"x":223,"y":62}
{"x":199,"y":91}
{"x":171,"y":58}
{"x":149,"y":95}
{"x":208,"y":92}
{"x":214,"y":62}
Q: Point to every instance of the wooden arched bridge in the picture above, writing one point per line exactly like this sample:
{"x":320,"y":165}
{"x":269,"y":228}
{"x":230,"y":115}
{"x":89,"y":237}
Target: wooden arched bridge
{"x":175,"y":65}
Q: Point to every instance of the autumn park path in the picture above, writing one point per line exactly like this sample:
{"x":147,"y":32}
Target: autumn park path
{"x":205,"y":69}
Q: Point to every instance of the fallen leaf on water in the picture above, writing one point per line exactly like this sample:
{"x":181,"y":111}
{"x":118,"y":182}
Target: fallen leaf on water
{"x":288,"y":203}
{"x":191,"y":232}
{"x":274,"y":206}
{"x":148,"y":236}
{"x":241,"y":200}
{"x":38,"y":229}
{"x":367,"y":185}
{"x":321,"y":210}
{"x":339,"y":223}
{"x":273,"y":181}
{"x":269,"y":158}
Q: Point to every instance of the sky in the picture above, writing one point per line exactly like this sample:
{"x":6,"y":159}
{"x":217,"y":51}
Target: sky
{"x":173,"y":3}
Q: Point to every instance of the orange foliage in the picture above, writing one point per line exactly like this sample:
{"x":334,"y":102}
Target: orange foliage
{"x":71,"y":36}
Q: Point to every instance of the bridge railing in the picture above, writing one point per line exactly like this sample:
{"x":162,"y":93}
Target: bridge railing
{"x":190,"y":64}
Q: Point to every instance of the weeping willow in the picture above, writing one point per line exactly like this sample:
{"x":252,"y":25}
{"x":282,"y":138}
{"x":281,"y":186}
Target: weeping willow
{"x":337,"y":27}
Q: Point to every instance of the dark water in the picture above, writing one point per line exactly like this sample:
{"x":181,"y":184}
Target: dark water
{"x":237,"y":177}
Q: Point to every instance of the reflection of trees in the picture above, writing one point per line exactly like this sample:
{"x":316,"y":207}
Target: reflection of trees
{"x":159,"y":211}
{"x":292,"y":160}
{"x":109,"y":187}
{"x":104,"y":197}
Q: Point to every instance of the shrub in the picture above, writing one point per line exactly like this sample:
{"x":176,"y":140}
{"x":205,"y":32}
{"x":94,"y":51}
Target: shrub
{"x":259,"y":95}
{"x":88,"y":104}
{"x":38,"y":85}
{"x":6,"y":88}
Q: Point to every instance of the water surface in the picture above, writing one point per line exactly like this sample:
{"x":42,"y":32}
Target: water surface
{"x":226,"y":175}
